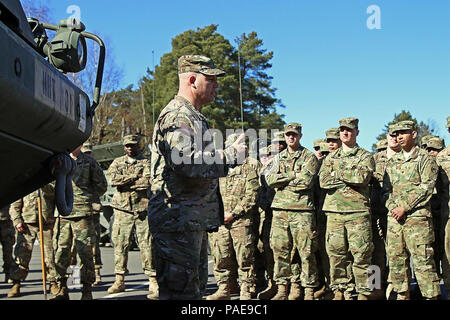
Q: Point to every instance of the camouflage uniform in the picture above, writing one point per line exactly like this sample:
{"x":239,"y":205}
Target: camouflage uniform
{"x":184,"y":199}
{"x":443,"y":160}
{"x":231,"y":243}
{"x":130,"y":202}
{"x":88,"y":183}
{"x":409,"y":184}
{"x":291,"y":175}
{"x":7,"y":239}
{"x":345,"y":177}
{"x":25,"y":210}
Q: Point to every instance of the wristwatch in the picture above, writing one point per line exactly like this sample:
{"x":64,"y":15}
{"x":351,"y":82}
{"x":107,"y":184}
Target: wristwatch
{"x":234,"y":215}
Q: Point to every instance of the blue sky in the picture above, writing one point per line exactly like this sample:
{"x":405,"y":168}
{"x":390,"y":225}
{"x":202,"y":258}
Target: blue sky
{"x":327,"y":64}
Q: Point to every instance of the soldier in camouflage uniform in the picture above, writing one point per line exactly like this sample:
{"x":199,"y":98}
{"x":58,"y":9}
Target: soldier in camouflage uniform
{"x":291,"y":175}
{"x":96,"y":210}
{"x":185,"y":200}
{"x":232,"y":243}
{"x":443,"y":160}
{"x":409,"y":182}
{"x":7,"y":239}
{"x":316,"y":146}
{"x":345,"y":175}
{"x":379,"y":210}
{"x":382,"y":145}
{"x":25,"y":216}
{"x":88,"y":183}
{"x":424,"y":140}
{"x":130,"y":175}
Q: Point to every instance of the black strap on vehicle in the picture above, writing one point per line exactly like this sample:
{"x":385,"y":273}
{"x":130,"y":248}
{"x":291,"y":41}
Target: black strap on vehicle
{"x":62,"y":167}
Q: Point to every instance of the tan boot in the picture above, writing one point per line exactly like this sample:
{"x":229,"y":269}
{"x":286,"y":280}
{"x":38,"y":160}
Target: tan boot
{"x":269,"y":292}
{"x":281,"y":292}
{"x":222,"y":293}
{"x":234,"y":286}
{"x":403,"y":295}
{"x":309,"y":294}
{"x":63,"y":292}
{"x":86,"y":292}
{"x":319,"y":293}
{"x":338,"y":295}
{"x":14,"y":292}
{"x":98,"y":278}
{"x":118,"y":285}
{"x":245,"y":293}
{"x":295,"y":293}
{"x":153,"y":289}
{"x":54,"y":288}
{"x":362,"y":297}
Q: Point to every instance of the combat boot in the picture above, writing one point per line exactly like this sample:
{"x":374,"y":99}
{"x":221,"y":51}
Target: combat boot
{"x":319,"y":293}
{"x":309,"y":294}
{"x":295,"y":293}
{"x":234,"y":286}
{"x":222,"y":293}
{"x":269,"y":292}
{"x":403,"y":295}
{"x":153,"y":289}
{"x":15,"y":290}
{"x":348,"y":295}
{"x":98,"y":278}
{"x":54,"y":287}
{"x":118,"y":285}
{"x":245,"y":293}
{"x":362,"y":297}
{"x":281,"y":292}
{"x":63,"y":292}
{"x":338,"y":295}
{"x":86,"y":292}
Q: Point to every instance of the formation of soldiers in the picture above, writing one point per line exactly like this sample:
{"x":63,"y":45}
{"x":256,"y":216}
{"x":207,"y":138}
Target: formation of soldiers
{"x":287,"y":224}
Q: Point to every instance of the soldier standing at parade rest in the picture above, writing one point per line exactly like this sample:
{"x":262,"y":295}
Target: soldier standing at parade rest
{"x":230,"y":244}
{"x":7,"y":239}
{"x":25,"y":216}
{"x":88,"y":183}
{"x":130,"y":175}
{"x":443,"y":160}
{"x":345,"y":175}
{"x":379,"y":210}
{"x":96,"y":209}
{"x":185,"y":200}
{"x":291,"y":174}
{"x":409,"y":182}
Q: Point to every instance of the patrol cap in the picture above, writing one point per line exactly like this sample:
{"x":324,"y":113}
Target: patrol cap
{"x":317,"y":143}
{"x":424,"y":140}
{"x":436,"y":143}
{"x":293,"y":127}
{"x":201,"y":64}
{"x":405,"y":125}
{"x":87,"y":147}
{"x":332,"y":133}
{"x":278,"y":137}
{"x":130,"y":139}
{"x":324,"y":148}
{"x":382,"y":144}
{"x":351,"y":123}
{"x":448,"y":122}
{"x":391,"y":129}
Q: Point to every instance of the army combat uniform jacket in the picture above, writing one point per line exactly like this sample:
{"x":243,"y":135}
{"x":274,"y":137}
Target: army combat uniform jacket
{"x":293,"y":193}
{"x":346,"y":176}
{"x":131,"y":177}
{"x":184,"y":189}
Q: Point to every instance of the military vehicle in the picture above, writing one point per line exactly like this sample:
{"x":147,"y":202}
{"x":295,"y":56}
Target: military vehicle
{"x":43,"y":115}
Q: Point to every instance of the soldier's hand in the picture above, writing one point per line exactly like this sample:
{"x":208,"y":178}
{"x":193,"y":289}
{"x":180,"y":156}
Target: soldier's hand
{"x":398,"y":213}
{"x":228,"y":218}
{"x":21,"y":227}
{"x":239,"y":144}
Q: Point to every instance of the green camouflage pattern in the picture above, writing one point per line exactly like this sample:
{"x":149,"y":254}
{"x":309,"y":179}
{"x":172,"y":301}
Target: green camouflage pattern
{"x":293,"y":127}
{"x":293,"y":193}
{"x":88,"y":183}
{"x":436,"y":143}
{"x":382,"y":144}
{"x":7,"y":239}
{"x":80,"y":231}
{"x":345,"y":176}
{"x":405,"y":125}
{"x":130,"y":139}
{"x":412,"y":237}
{"x":124,"y":223}
{"x":332,"y":133}
{"x":294,"y":229}
{"x":130,"y":176}
{"x":409,"y":183}
{"x":25,"y":210}
{"x":196,"y":63}
{"x":184,"y":197}
{"x":350,"y":232}
{"x":350,"y":122}
{"x":424,"y":140}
